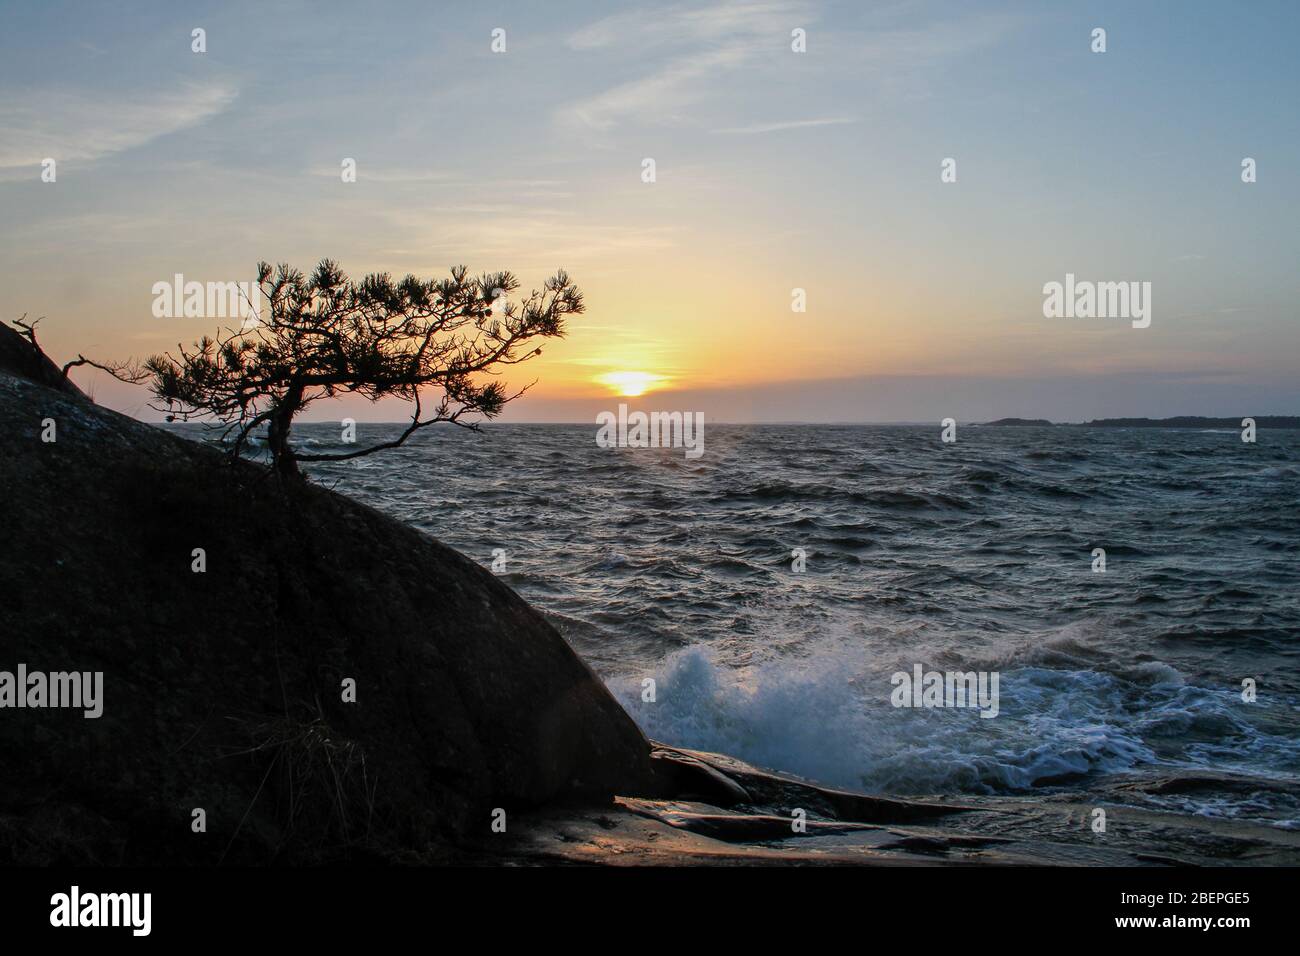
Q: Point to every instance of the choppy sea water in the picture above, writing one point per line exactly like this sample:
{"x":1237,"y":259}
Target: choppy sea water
{"x":968,"y":556}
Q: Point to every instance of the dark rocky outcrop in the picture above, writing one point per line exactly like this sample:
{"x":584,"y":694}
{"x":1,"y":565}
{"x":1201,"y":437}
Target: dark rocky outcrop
{"x":223,"y":688}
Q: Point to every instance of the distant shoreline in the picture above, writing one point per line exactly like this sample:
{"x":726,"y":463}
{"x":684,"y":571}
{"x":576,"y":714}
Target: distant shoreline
{"x":1181,"y":421}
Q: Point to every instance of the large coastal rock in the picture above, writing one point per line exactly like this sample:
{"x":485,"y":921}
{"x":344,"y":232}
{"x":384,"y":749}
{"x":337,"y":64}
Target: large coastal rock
{"x":224,"y":688}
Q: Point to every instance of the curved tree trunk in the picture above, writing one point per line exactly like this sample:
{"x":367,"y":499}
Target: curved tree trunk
{"x":283,"y":460}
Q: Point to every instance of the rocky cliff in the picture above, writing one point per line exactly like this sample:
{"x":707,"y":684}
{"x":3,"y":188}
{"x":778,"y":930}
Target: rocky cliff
{"x":231,"y":618}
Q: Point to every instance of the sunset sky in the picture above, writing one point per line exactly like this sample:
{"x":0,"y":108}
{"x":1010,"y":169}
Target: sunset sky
{"x":775,"y":170}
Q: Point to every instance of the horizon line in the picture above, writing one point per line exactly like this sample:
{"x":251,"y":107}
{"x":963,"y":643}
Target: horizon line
{"x":1004,"y":422}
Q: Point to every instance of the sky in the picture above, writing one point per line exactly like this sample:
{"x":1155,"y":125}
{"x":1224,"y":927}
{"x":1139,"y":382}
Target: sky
{"x":775,"y":170}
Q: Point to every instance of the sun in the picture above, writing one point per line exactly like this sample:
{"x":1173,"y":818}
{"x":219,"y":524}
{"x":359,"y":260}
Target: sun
{"x":630,"y":384}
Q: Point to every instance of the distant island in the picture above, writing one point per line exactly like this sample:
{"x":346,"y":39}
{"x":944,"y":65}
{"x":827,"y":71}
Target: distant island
{"x":1180,"y":421}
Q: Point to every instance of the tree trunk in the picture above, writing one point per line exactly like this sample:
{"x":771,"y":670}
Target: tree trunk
{"x":283,"y":460}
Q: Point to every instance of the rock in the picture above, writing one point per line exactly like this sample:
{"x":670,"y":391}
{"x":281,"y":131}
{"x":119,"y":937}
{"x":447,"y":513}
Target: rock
{"x":17,"y":357}
{"x":757,"y":787}
{"x":223,"y":689}
{"x":685,"y":776}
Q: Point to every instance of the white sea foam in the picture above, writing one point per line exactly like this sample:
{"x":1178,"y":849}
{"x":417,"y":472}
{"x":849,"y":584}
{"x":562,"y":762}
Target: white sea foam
{"x":827,"y":717}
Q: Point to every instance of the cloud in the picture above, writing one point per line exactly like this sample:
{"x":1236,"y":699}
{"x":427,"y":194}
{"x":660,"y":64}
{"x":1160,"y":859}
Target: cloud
{"x":530,"y":238}
{"x":661,"y":93}
{"x":684,"y":23}
{"x":791,"y":124}
{"x":376,"y":172}
{"x":682,"y":51}
{"x":559,"y":238}
{"x":710,"y":39}
{"x":85,"y":126}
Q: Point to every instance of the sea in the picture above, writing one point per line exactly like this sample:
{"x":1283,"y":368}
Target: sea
{"x":761,"y":599}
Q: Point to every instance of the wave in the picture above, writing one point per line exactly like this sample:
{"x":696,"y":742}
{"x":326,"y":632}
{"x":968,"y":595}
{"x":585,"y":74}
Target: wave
{"x":828,"y":718}
{"x":884,"y":498}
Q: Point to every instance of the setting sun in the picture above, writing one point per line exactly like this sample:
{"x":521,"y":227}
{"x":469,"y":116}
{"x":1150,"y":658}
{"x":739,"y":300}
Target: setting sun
{"x":630,"y":384}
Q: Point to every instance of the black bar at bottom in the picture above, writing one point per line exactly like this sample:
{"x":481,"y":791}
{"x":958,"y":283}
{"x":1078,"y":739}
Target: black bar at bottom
{"x":334,"y":906}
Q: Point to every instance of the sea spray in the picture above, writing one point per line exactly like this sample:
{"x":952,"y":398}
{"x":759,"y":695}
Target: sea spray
{"x":830,"y":719}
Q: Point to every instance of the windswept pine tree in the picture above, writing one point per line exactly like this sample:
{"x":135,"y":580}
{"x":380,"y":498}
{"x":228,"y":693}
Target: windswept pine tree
{"x":436,"y":344}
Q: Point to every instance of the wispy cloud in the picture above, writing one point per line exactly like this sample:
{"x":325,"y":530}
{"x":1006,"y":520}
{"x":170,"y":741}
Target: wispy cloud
{"x":682,"y":52}
{"x":660,"y":94}
{"x":693,"y":23}
{"x":723,"y":36}
{"x":791,"y":124}
{"x":85,"y":126}
{"x":481,"y":233}
{"x":378,"y":173}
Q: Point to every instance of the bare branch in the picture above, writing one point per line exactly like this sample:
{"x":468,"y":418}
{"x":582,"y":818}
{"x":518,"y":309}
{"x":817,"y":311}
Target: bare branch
{"x":133,"y":373}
